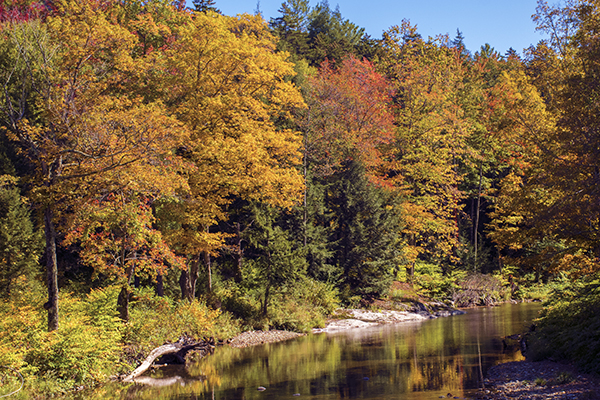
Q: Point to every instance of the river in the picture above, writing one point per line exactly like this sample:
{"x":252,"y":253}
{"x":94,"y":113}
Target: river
{"x":414,"y":361}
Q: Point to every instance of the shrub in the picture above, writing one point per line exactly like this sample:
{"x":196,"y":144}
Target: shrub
{"x":432,"y":283}
{"x":402,"y":292}
{"x":243,"y":304}
{"x":303,"y":306}
{"x":540,"y":382}
{"x":563,"y":378}
{"x":86,"y":347}
{"x":155,"y":320}
{"x":569,"y":327}
{"x":480,"y":289}
{"x":83,"y":351}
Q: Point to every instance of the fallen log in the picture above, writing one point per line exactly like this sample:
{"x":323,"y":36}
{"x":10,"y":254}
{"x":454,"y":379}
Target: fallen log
{"x":180,"y":348}
{"x":160,"y":382}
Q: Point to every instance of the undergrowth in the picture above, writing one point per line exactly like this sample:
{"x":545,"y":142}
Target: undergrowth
{"x":569,"y":327}
{"x":92,"y":343}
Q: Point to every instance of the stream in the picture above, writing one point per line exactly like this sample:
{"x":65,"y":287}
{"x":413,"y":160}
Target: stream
{"x":414,"y":361}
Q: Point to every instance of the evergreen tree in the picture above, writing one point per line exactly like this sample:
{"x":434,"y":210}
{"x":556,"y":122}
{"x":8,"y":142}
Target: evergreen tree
{"x":20,"y":244}
{"x":363,"y":235}
{"x":292,"y":27}
{"x":205,"y":6}
{"x":274,"y":262}
{"x":459,"y":43}
{"x":330,"y":36}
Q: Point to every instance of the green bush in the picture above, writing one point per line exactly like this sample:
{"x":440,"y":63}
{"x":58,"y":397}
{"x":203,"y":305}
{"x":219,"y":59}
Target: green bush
{"x":303,"y":306}
{"x":155,"y":320}
{"x":85,"y":350}
{"x":432,"y":283}
{"x":569,"y":327}
{"x":529,"y":289}
{"x":241,"y":302}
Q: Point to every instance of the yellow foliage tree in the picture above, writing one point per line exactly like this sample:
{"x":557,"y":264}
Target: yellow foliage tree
{"x":231,"y":89}
{"x":93,"y":131}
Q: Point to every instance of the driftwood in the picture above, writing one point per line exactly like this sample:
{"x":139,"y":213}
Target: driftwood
{"x":160,"y":382}
{"x":180,"y":349}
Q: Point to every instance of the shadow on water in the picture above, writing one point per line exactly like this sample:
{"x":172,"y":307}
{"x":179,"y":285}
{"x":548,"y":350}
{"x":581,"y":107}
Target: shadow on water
{"x":415,"y":361}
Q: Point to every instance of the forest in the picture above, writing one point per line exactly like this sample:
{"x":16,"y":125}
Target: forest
{"x":168,"y":170}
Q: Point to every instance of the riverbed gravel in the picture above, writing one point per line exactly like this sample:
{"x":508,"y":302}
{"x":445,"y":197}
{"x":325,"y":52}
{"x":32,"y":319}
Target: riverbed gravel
{"x":253,"y":338}
{"x":525,"y":380}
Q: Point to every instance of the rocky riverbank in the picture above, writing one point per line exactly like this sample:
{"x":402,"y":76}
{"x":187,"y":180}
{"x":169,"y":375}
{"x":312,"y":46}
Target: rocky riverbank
{"x":361,"y":318}
{"x":345,"y":319}
{"x":525,"y":380}
{"x":254,"y":338}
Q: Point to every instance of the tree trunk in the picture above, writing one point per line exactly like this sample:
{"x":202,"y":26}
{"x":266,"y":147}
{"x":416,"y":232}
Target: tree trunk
{"x":160,"y":289}
{"x":208,"y":270}
{"x":239,"y":254}
{"x":184,"y":284}
{"x":182,"y":346}
{"x":266,"y":302}
{"x":194,"y":278}
{"x":124,"y":295}
{"x":187,"y":281}
{"x":305,"y":213}
{"x":477,"y":218}
{"x":51,"y":271}
{"x":410,"y":270}
{"x":123,"y":304}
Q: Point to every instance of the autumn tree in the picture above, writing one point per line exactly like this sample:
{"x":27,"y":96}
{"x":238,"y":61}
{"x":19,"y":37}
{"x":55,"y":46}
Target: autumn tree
{"x":229,"y":88}
{"x":118,"y":239}
{"x":74,"y":110}
{"x":430,"y":140}
{"x":348,"y":119}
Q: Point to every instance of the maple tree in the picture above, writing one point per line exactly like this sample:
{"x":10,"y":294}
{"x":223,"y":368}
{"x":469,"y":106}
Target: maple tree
{"x":118,"y":240}
{"x":230,"y":88}
{"x":550,"y":210}
{"x":23,"y":10}
{"x":348,"y":117}
{"x":85,"y":129}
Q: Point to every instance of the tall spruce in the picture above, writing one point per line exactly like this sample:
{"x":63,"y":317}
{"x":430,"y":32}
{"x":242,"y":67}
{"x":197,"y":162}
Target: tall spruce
{"x":364,"y":232}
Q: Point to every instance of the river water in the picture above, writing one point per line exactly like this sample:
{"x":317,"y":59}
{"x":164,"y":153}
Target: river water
{"x":414,"y":361}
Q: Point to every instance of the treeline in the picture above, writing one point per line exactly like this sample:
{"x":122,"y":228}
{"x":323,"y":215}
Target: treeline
{"x":275,"y":168}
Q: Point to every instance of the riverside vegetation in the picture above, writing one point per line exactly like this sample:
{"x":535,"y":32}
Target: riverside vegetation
{"x":169,"y":171}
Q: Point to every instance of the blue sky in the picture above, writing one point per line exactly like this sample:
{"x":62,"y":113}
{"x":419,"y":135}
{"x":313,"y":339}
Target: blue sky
{"x":502,"y":24}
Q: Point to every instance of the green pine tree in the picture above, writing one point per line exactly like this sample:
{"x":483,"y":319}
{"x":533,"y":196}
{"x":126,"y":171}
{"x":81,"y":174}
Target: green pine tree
{"x":205,"y":6}
{"x":20,"y":243}
{"x":273,"y":260}
{"x":364,"y":235}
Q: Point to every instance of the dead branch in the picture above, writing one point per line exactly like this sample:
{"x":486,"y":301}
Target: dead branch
{"x":181,"y":347}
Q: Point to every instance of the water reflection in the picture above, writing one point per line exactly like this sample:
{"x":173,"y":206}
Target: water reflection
{"x":417,"y":360}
